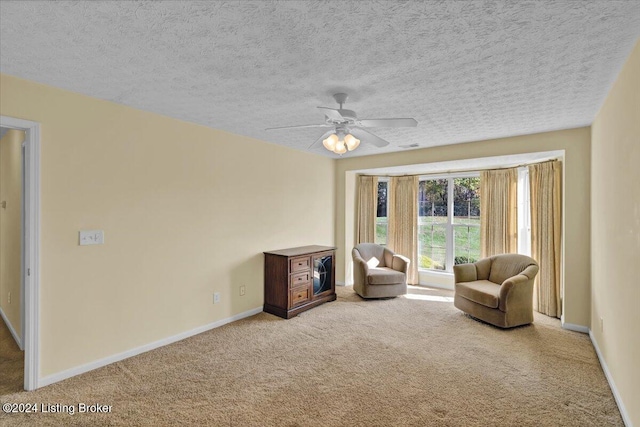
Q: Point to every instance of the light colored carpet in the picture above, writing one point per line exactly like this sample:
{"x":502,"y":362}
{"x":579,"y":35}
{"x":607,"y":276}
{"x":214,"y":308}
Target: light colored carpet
{"x":406,"y":361}
{"x":11,"y":363}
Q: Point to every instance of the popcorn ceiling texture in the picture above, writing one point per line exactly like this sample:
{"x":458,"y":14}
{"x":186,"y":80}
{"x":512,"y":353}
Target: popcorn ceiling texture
{"x":465,"y":70}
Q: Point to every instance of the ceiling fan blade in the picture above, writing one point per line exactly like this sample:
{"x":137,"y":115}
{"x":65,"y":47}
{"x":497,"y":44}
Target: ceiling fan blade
{"x":332,"y":113}
{"x":389,"y":123}
{"x":324,"y":125}
{"x":367,"y":136}
{"x":324,"y":135}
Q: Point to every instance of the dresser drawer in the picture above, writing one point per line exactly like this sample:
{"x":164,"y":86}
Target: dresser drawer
{"x":299,"y":279}
{"x":300,"y":264}
{"x":299,"y":295}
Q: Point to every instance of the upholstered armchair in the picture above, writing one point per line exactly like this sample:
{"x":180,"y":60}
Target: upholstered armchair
{"x":378,"y":272}
{"x":497,"y":290}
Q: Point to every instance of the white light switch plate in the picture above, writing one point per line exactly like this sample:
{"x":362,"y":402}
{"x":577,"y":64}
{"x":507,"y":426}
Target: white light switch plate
{"x":91,"y":237}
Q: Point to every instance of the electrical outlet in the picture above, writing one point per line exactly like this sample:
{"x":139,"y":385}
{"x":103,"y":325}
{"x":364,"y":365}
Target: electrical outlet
{"x":91,"y":237}
{"x":216,"y":297}
{"x":601,"y":324}
{"x":9,"y":298}
{"x":242,"y":290}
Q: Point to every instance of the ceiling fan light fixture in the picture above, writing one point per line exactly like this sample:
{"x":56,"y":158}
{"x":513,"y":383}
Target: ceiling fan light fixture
{"x":351,"y":142}
{"x":340,"y":143}
{"x":341,"y":148}
{"x":330,"y":142}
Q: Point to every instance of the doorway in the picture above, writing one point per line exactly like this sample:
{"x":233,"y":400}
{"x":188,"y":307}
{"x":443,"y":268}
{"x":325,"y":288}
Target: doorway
{"x":22,"y":322}
{"x":11,"y":256}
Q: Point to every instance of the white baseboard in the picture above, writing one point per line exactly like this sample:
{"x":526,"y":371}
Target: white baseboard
{"x":54,"y":378}
{"x":576,"y":328}
{"x":612,"y":385}
{"x":340,"y":283}
{"x":15,"y":335}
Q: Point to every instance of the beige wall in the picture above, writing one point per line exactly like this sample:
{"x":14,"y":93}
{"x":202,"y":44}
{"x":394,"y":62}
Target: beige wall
{"x":10,"y":220}
{"x":186,"y":210}
{"x":615,"y":231}
{"x":576,"y":144}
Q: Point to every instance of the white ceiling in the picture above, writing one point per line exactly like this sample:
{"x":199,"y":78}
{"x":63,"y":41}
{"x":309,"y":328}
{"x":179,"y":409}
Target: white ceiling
{"x":465,"y":70}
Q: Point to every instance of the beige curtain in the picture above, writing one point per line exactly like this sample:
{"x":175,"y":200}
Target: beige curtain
{"x":403,"y":221}
{"x":367,"y":208}
{"x":545,"y":181}
{"x":498,"y":212}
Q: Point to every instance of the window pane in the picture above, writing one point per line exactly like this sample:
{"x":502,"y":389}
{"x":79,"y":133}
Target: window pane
{"x":466,"y":200}
{"x":432,"y":246}
{"x":381,"y":214}
{"x":382,"y":199}
{"x":467,"y":244}
{"x":432,"y":201}
{"x":381,"y":232}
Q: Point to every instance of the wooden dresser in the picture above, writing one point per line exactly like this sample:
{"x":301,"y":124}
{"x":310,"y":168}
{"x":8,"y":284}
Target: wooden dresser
{"x":298,"y":279}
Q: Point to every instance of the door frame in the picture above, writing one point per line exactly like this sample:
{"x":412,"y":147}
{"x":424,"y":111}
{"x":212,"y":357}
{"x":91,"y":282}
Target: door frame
{"x":31,"y":248}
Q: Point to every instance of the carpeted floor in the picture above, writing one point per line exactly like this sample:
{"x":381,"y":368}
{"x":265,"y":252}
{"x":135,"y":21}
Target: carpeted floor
{"x":11,"y":363}
{"x":408,"y":361}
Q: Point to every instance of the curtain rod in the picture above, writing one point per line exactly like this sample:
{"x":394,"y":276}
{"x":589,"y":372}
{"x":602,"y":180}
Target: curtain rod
{"x":466,"y":170}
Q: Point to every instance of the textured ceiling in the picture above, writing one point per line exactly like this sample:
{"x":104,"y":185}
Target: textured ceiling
{"x":465,"y":70}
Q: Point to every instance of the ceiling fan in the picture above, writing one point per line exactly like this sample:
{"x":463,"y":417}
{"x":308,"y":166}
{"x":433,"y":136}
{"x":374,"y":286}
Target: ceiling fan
{"x":347,"y":129}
